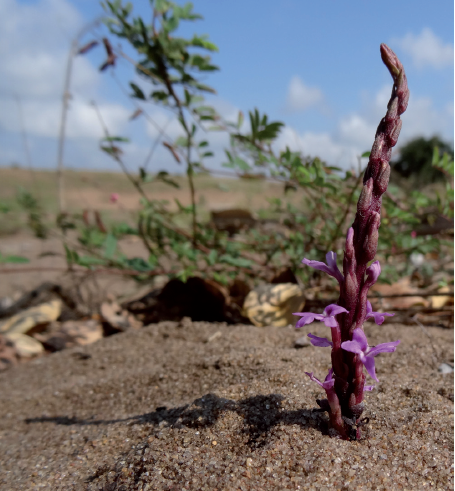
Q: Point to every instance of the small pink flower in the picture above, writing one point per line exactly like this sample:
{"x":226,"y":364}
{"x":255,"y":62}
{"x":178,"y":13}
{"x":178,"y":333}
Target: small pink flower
{"x":413,"y":234}
{"x":114,"y":198}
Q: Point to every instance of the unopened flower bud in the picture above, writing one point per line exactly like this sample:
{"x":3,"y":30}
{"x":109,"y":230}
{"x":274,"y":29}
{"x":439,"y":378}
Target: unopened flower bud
{"x":404,"y":100}
{"x":376,"y":150}
{"x":392,"y":110}
{"x":373,"y":272}
{"x":351,"y":288}
{"x":390,"y":60}
{"x":382,"y":180}
{"x":371,"y":240}
{"x":366,"y":196}
{"x":395,"y":133}
{"x":349,"y":252}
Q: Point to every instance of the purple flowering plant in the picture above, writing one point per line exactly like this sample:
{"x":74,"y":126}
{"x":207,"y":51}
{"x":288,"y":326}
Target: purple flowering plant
{"x":350,"y":351}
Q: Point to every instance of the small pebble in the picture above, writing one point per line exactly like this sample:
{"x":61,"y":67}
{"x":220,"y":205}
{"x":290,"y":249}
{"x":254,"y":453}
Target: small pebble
{"x":445,"y":368}
{"x":302,"y":342}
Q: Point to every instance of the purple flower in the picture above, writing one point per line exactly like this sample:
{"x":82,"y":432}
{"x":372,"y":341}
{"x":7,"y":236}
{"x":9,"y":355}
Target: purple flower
{"x":359,"y":346}
{"x":330,"y":268}
{"x":377,"y":316}
{"x":328,"y":316}
{"x":328,"y":382}
{"x":368,"y":388}
{"x":321,"y":342}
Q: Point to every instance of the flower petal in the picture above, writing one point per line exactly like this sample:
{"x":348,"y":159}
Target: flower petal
{"x":307,"y":318}
{"x":368,"y":388}
{"x":368,"y":361}
{"x":373,"y":272}
{"x":313,"y":378}
{"x":378,"y":316}
{"x":329,"y":375}
{"x":383,"y":348}
{"x":330,"y":322}
{"x":352,"y":346}
{"x":331,"y":259}
{"x":320,"y":342}
{"x":331,"y":268}
{"x":359,"y":336}
{"x":334,"y":309}
{"x":329,"y":381}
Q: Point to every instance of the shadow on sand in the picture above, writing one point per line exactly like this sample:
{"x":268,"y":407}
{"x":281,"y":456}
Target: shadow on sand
{"x":260,"y":414}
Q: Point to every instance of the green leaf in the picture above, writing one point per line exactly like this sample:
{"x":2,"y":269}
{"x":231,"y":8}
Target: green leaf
{"x":110,"y":245}
{"x":161,"y":6}
{"x":170,"y":24}
{"x":212,"y":257}
{"x":186,"y":12}
{"x":13,"y":259}
{"x":202,"y":42}
{"x":164,"y":177}
{"x":270,"y":131}
{"x":181,"y":141}
{"x":203,"y":87}
{"x":71,"y":256}
{"x":241,"y":164}
{"x":365,"y":154}
{"x":88,"y":261}
{"x":138,"y":94}
{"x":185,"y":209}
{"x":239,"y":262}
{"x":138,"y":264}
{"x":159,"y":96}
{"x":144,"y":176}
{"x":240,"y":119}
{"x":115,"y":139}
{"x":4,"y":207}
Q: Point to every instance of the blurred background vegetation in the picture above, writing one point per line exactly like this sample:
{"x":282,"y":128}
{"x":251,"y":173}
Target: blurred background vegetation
{"x":283,"y":205}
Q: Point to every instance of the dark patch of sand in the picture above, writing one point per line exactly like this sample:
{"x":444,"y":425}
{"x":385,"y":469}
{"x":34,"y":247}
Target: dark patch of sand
{"x":164,"y":408}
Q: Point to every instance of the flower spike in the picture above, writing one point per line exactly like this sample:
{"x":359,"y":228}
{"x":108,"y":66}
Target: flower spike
{"x":345,"y":382}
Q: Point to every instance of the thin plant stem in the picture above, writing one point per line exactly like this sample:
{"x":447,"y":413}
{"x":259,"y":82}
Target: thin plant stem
{"x":115,"y":156}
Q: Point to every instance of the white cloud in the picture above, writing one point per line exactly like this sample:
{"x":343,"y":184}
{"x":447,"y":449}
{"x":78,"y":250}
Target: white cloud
{"x":35,"y":39}
{"x":354,"y":133}
{"x":301,"y":96}
{"x":42,"y":118}
{"x":33,"y":55}
{"x":426,"y":49}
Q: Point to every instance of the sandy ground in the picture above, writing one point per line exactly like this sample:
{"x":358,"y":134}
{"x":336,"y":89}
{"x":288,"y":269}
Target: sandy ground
{"x":198,"y":406}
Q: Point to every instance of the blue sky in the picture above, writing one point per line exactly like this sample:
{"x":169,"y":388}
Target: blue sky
{"x":313,"y":65}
